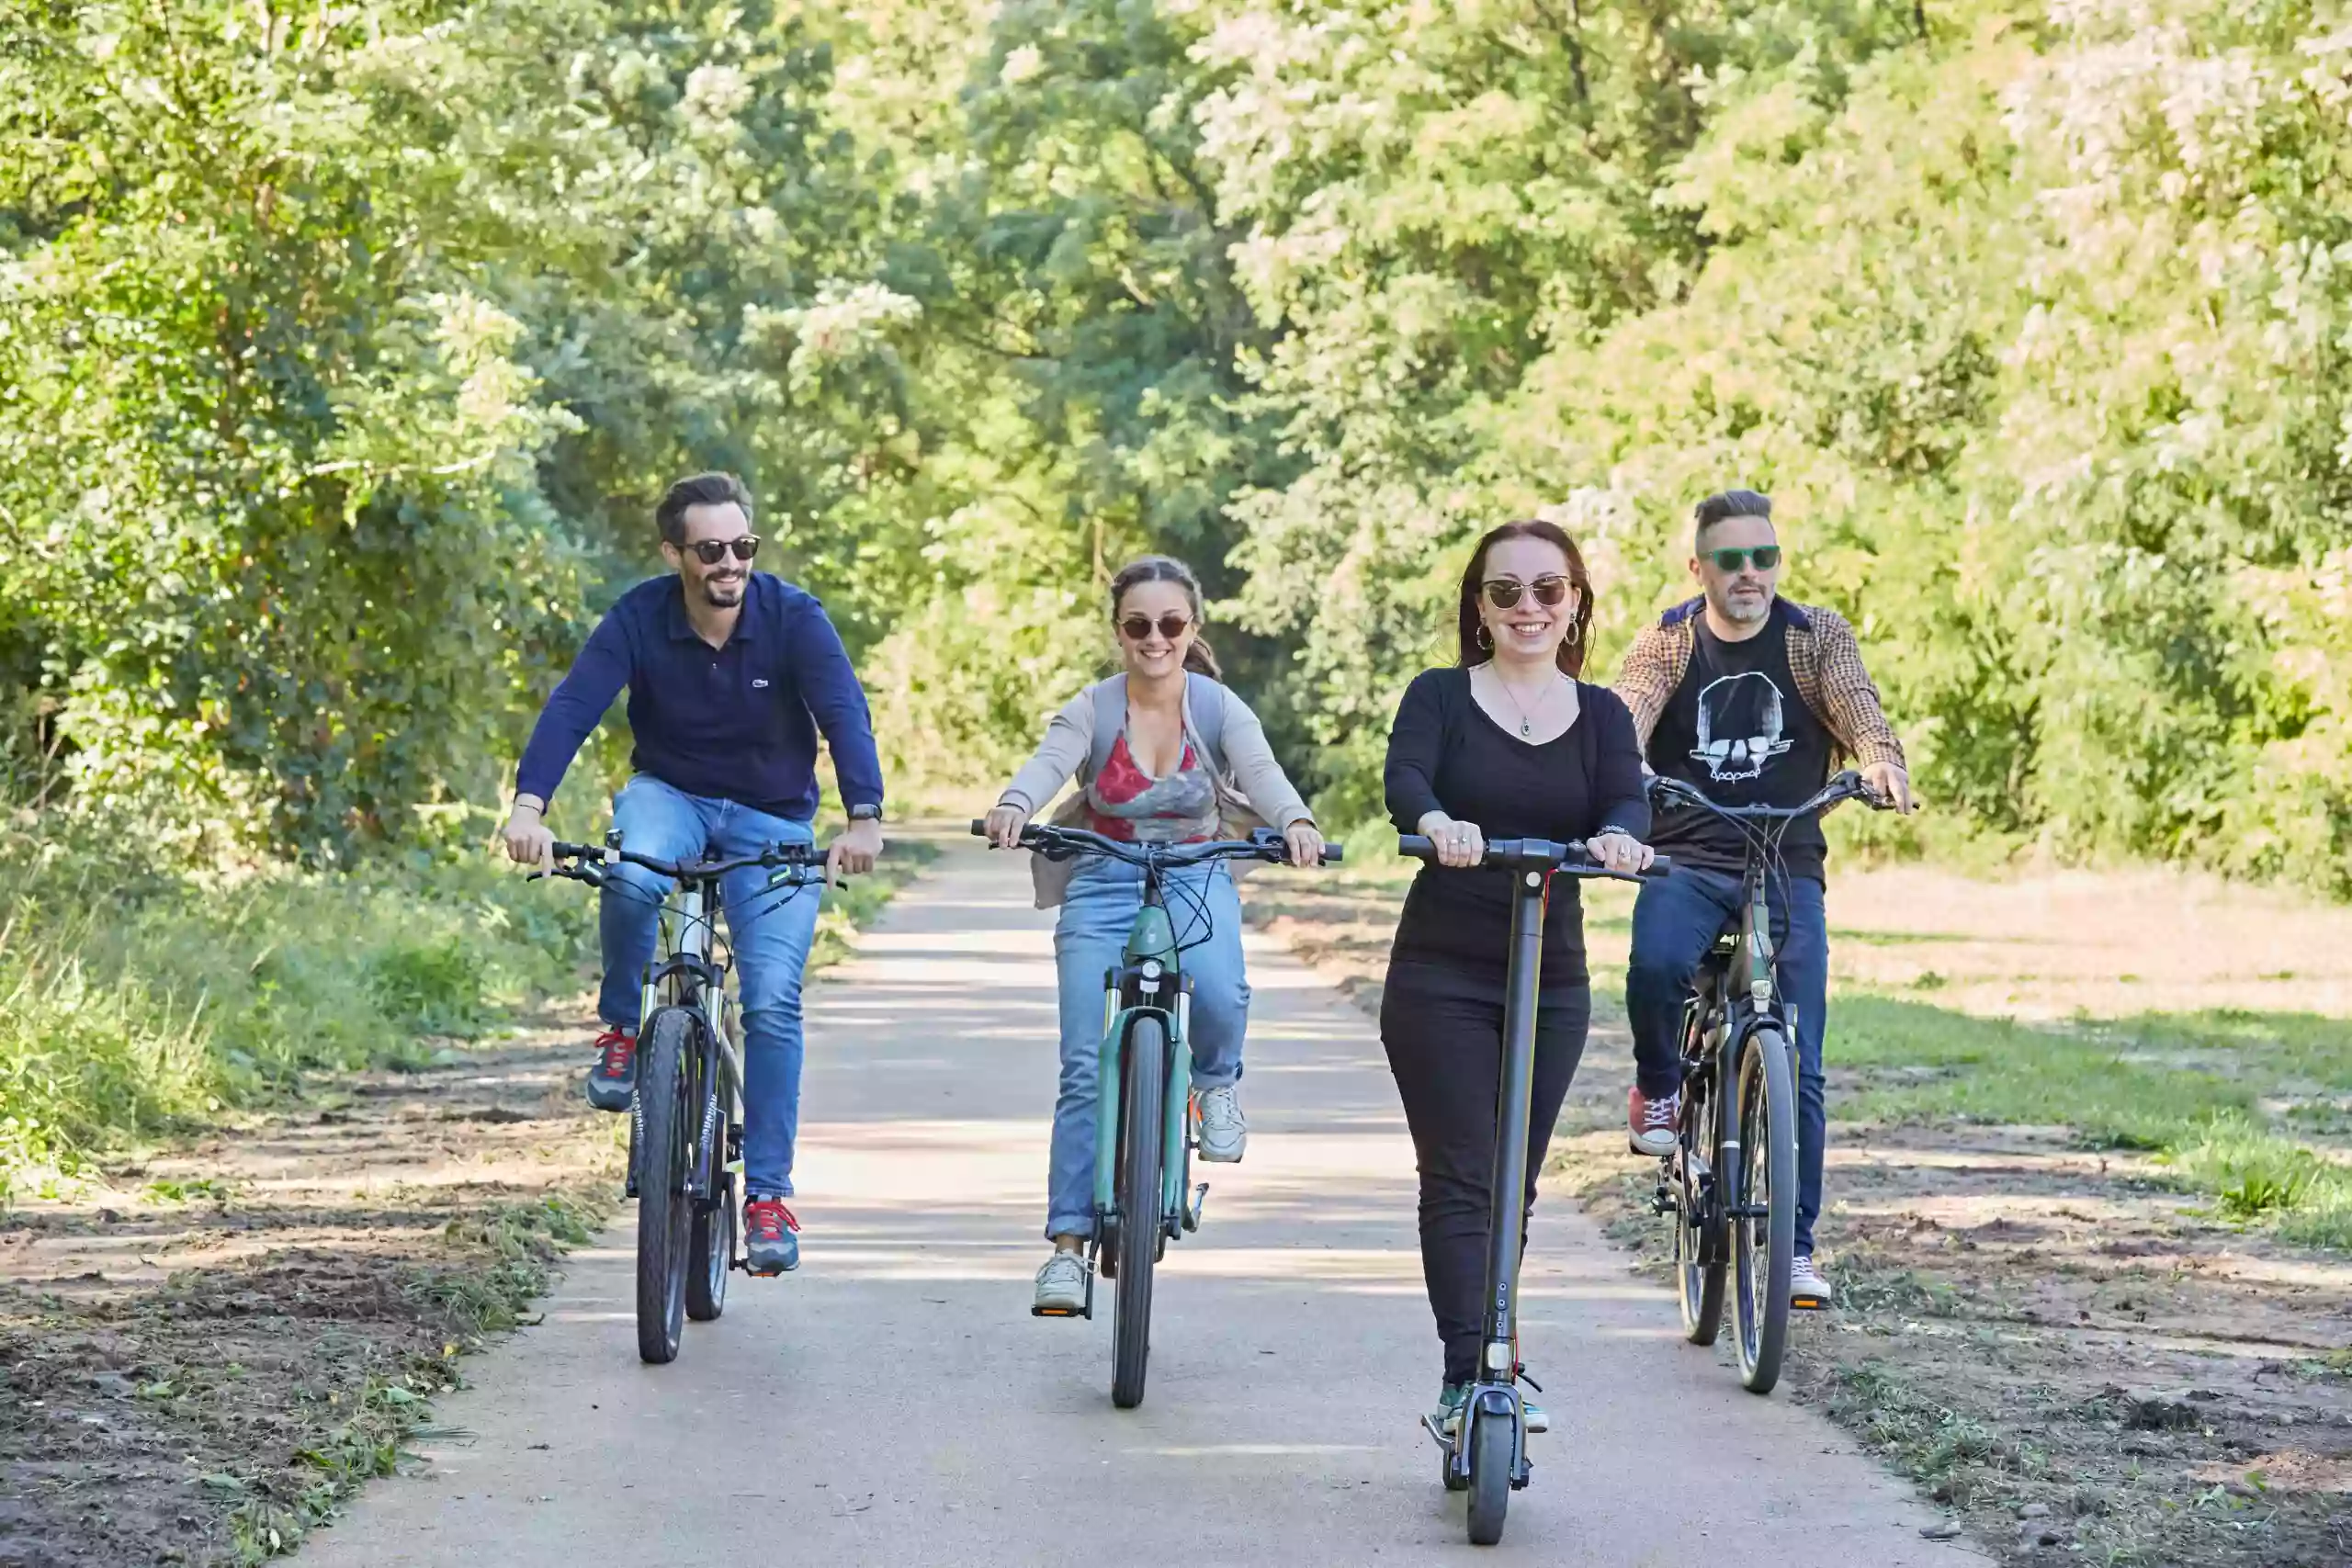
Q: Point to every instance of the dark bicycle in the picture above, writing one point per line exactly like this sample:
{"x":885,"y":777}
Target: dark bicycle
{"x":686,"y":1121}
{"x":1144,"y":1135}
{"x":1731,"y":1182}
{"x":1486,"y":1455}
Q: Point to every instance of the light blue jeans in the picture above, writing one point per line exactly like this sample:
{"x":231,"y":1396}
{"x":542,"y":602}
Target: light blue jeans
{"x":771,"y":932}
{"x":1089,"y":937}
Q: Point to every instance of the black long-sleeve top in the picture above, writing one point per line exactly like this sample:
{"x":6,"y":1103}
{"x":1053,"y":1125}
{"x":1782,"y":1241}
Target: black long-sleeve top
{"x":1445,"y":753}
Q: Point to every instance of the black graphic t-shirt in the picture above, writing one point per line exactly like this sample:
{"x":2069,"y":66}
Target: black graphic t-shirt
{"x":1737,"y":729}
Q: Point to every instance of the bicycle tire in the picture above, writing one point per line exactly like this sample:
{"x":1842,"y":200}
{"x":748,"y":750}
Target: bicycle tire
{"x":711,"y":1257}
{"x":1699,"y":1285}
{"x":664,"y":1213}
{"x":1768,"y":1135}
{"x":1490,"y":1457}
{"x":1143,"y":1100}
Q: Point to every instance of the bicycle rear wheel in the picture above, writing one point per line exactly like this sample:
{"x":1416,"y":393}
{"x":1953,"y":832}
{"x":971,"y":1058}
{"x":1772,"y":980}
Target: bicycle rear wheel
{"x":664,"y":1212}
{"x":1143,"y":1100}
{"x":1765,"y":1233}
{"x":1700,"y":1283}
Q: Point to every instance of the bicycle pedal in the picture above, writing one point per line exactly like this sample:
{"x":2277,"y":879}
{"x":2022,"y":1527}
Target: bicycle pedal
{"x":1058,"y":1312}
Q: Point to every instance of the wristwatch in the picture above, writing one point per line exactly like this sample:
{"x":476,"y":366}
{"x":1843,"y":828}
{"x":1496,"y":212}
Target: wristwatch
{"x":868,"y":813}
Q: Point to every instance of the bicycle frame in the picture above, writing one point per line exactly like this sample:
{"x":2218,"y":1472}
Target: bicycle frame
{"x":1150,"y":980}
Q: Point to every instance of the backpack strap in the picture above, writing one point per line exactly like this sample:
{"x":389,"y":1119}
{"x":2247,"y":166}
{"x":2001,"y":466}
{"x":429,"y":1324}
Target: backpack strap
{"x":1205,"y":714}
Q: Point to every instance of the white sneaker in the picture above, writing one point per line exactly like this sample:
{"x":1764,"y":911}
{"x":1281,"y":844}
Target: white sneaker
{"x":1808,"y":1291}
{"x":1061,"y":1285}
{"x":1224,"y":1133}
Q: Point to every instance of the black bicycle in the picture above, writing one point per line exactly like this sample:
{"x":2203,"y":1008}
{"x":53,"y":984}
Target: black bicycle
{"x":686,"y":1136}
{"x":1731,"y":1182}
{"x":1144,"y":1133}
{"x":1486,"y":1454}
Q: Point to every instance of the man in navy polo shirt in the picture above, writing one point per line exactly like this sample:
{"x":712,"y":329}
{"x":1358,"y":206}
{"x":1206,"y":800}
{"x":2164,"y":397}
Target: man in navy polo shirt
{"x":731,"y":674}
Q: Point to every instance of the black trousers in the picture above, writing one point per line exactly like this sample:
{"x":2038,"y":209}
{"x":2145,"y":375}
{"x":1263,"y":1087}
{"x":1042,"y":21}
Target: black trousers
{"x":1443,"y":1033}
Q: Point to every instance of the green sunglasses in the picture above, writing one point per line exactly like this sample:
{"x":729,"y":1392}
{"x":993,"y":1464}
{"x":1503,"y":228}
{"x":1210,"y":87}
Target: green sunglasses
{"x":1766,"y":558}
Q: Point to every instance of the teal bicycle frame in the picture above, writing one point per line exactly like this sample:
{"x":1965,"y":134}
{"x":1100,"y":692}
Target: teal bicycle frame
{"x":1150,"y":964}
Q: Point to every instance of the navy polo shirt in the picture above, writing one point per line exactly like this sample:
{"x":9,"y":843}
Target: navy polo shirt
{"x":736,"y":723}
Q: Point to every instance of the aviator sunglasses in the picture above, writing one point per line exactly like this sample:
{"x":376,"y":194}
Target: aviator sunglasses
{"x":1502,"y":593}
{"x":710,"y":552}
{"x":1135,"y":628}
{"x":1766,"y":558}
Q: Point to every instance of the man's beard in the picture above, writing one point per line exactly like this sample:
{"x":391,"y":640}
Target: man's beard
{"x":722,"y":596}
{"x":1745,"y":609}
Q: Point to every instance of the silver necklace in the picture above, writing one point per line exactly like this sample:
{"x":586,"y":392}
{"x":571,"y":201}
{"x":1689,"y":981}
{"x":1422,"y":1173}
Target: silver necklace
{"x":1526,"y":724}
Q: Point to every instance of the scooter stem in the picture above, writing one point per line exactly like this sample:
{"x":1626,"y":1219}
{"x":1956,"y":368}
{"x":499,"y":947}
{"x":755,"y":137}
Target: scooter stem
{"x":1514,"y":1100}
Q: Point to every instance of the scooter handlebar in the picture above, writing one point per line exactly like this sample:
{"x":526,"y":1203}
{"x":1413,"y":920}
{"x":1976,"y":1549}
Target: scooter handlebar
{"x":1538,"y":854}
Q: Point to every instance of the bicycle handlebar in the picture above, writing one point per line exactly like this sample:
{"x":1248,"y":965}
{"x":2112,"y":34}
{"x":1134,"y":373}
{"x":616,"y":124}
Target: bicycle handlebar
{"x":798,"y":856}
{"x":1847,"y":786}
{"x":1062,"y":843}
{"x":1534,"y":854}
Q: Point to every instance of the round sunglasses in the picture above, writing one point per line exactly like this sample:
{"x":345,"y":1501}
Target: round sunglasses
{"x":1503,"y":592}
{"x":1135,"y":628}
{"x":710,"y":552}
{"x":1766,"y":558}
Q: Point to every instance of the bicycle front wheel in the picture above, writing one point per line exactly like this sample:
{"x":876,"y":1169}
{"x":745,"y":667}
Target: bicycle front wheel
{"x":664,"y":1212}
{"x":1143,"y":1100}
{"x":1764,"y":1231}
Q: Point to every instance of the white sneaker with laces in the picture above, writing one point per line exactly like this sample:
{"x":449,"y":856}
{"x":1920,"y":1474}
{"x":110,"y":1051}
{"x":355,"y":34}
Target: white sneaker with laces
{"x":1224,"y":1133}
{"x":1808,"y":1291}
{"x":1062,"y":1284}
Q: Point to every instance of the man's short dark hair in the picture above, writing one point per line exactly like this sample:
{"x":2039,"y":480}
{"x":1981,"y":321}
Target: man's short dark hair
{"x":703,"y":489}
{"x":1724,"y":505}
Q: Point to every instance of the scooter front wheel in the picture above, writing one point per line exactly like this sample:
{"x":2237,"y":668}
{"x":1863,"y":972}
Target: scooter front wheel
{"x":1491,"y":1451}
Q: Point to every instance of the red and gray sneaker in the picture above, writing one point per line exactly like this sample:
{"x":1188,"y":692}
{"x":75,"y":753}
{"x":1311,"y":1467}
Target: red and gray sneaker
{"x":613,"y":1080}
{"x":1652,"y":1122}
{"x":770,"y":1242}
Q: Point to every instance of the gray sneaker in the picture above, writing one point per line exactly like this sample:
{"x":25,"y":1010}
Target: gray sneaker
{"x":1224,"y":1133}
{"x":1454,"y":1395}
{"x":1808,"y":1291}
{"x":1061,"y":1286}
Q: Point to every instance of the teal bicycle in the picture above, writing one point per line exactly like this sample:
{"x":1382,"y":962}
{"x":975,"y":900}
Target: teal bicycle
{"x":1144,"y":1129}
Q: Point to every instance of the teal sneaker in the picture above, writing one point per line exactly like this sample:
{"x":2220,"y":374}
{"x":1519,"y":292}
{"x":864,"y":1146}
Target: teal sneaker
{"x":769,"y":1246}
{"x":1450,"y":1401}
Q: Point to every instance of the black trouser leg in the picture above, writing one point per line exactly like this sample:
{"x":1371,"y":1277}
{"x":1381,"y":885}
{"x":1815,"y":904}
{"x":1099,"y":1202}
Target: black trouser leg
{"x":1445,"y":1042}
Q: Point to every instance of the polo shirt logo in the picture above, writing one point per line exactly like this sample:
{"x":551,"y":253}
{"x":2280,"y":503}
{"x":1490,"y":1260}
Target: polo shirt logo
{"x":759,"y":684}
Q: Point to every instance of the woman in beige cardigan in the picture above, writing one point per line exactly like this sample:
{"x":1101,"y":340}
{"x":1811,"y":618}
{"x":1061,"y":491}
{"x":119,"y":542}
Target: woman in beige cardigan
{"x":1167,"y":779}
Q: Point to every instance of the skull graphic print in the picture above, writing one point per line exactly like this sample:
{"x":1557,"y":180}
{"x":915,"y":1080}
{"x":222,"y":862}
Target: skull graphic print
{"x":1739,"y":726}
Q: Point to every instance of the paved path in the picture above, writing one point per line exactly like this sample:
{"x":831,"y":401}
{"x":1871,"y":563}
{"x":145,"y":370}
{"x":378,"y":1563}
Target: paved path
{"x":895,"y":1404}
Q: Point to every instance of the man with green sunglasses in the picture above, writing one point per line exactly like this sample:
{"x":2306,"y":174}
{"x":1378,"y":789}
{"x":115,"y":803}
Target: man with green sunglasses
{"x":1750,"y":698}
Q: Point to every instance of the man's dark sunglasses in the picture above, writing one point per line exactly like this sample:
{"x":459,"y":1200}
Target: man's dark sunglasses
{"x":1766,"y":558}
{"x":1138,"y":627}
{"x":710,"y":552}
{"x":1502,"y":593}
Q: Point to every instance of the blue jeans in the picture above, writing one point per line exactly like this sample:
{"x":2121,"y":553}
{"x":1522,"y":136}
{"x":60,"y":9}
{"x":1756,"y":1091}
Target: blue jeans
{"x":1676,"y":919}
{"x":1089,"y":934}
{"x":771,"y":932}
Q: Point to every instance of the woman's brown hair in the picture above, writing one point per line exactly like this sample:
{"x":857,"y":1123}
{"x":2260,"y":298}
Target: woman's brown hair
{"x":1470,"y":625}
{"x":1199,"y":658}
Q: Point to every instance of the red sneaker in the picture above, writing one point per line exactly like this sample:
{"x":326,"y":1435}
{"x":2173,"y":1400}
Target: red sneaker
{"x":1652,"y":1123}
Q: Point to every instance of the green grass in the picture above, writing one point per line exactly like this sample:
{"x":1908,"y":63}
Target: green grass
{"x":134,"y":1002}
{"x":2197,"y":1089}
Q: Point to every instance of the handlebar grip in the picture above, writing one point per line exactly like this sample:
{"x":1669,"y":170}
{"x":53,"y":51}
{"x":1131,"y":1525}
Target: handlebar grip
{"x":1417,"y":845}
{"x":1331,"y":853}
{"x":1661,"y":866}
{"x":979,"y":829}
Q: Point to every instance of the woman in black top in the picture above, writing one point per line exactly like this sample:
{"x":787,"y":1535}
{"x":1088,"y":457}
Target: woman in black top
{"x":1508,"y":743}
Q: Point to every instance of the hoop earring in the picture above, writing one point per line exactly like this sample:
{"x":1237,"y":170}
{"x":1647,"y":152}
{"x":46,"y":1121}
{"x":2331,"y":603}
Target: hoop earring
{"x":1576,"y":632}
{"x":1485,"y":639}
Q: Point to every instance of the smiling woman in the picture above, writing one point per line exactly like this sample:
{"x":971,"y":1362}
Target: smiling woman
{"x":1509,"y":743}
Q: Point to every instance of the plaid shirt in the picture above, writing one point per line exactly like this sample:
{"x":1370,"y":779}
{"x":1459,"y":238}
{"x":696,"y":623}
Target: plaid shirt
{"x":1823,"y":656}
